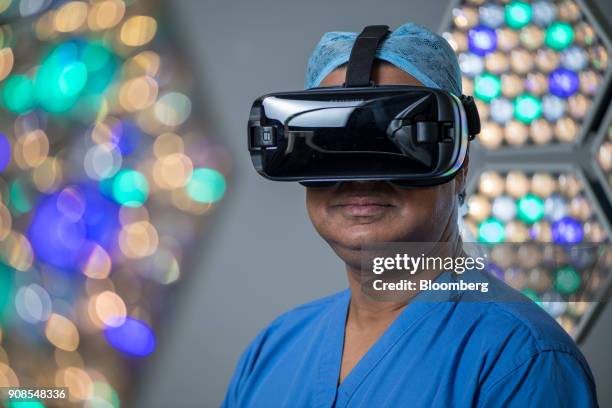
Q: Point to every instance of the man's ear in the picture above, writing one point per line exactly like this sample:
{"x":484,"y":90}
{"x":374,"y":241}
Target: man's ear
{"x":461,"y":177}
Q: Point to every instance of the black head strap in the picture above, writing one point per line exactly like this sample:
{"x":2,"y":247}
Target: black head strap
{"x":359,"y":70}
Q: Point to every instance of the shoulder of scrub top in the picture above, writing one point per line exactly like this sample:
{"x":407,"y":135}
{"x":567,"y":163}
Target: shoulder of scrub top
{"x":516,"y":328}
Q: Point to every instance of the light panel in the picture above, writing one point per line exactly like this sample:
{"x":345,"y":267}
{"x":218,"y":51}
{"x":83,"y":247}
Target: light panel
{"x":535,"y":68}
{"x":106,"y":176}
{"x":546,"y":237}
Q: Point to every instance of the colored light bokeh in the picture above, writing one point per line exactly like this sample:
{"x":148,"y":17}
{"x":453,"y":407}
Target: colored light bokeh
{"x":535,"y":68}
{"x":132,"y":337}
{"x":130,"y":188}
{"x":540,"y":207}
{"x":518,"y":14}
{"x":105,"y":179}
{"x":206,"y":185}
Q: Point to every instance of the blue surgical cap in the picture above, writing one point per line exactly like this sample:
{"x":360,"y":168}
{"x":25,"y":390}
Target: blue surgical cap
{"x":414,"y":49}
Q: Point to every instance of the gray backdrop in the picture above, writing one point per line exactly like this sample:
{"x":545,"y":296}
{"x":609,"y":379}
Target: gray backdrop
{"x":261,"y":256}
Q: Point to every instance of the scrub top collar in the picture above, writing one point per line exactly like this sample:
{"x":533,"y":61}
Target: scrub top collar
{"x":329,"y":393}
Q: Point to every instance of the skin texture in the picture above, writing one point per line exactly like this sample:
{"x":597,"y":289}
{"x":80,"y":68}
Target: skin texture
{"x":352,"y":214}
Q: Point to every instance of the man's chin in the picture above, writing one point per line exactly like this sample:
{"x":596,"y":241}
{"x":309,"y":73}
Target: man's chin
{"x":360,"y":234}
{"x":353,"y":242}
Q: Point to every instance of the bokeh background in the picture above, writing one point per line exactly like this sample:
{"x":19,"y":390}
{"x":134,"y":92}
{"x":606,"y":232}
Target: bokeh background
{"x":141,"y":252}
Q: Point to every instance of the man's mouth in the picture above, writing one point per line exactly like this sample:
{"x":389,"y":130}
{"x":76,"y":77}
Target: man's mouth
{"x":362,"y":206}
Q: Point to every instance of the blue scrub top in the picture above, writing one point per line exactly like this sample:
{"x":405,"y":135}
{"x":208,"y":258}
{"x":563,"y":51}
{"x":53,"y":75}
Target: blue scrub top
{"x":473,"y":351}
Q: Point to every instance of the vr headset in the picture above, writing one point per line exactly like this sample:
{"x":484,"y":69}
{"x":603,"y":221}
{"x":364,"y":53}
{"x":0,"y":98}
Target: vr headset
{"x":412,"y":136}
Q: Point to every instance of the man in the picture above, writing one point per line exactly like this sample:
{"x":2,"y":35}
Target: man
{"x":349,"y":350}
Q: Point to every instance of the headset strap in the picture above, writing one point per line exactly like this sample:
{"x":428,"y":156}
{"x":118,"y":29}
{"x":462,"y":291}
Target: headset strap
{"x":359,"y":70}
{"x":471,"y":112}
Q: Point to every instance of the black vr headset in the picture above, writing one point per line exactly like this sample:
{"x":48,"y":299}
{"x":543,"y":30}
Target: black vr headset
{"x":409,"y":135}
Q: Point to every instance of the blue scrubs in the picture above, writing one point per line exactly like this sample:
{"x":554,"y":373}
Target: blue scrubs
{"x":475,"y":352}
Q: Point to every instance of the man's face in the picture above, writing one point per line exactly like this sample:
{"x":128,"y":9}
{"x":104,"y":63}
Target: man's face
{"x":355,"y":213}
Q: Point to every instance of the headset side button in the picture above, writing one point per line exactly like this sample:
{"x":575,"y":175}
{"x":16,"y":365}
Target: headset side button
{"x":264,"y":136}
